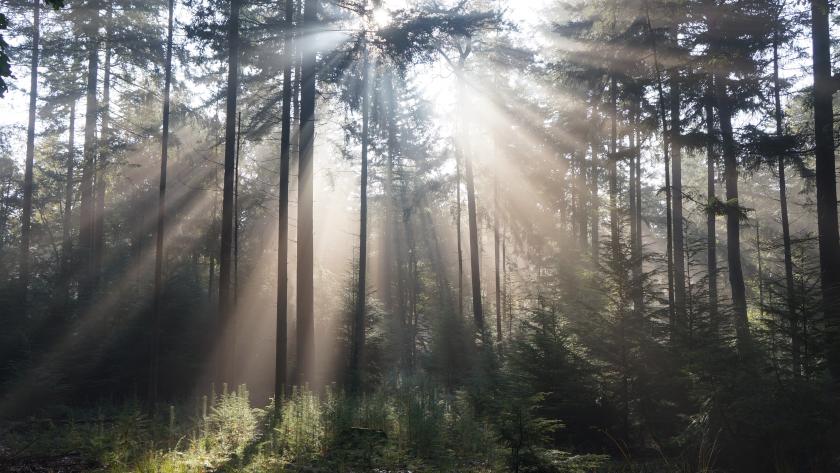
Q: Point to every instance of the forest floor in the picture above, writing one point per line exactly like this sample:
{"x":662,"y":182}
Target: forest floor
{"x":417,"y":433}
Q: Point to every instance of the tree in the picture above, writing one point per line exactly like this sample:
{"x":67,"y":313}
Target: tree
{"x":826,"y":178}
{"x":226,"y":308}
{"x":305,"y":259}
{"x":161,"y":211}
{"x":26,"y":224}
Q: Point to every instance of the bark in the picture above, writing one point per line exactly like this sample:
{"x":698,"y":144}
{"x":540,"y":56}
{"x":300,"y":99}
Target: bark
{"x":305,"y":258}
{"x":26,"y":217}
{"x":677,"y":206}
{"x":496,"y":248}
{"x":358,"y":340}
{"x":225,"y":266}
{"x":161,"y":214}
{"x":281,"y":347}
{"x":733,"y":219}
{"x":711,"y":231}
{"x":86,"y":208}
{"x":475,"y":272}
{"x":612,"y":171}
{"x":66,"y":227}
{"x":103,"y":155}
{"x":786,"y":243}
{"x":829,"y":239}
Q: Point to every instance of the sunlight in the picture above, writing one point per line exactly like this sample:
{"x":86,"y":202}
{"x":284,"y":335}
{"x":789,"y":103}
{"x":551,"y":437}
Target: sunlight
{"x":381,"y":18}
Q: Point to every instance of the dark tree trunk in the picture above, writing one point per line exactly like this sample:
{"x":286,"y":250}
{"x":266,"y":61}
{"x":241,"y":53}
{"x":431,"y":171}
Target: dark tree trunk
{"x":103,"y":154}
{"x":496,"y":248}
{"x":475,"y":272}
{"x":786,"y":243}
{"x":281,"y":347}
{"x":733,"y":219}
{"x":594,"y":206}
{"x":358,"y":340}
{"x":154,"y":357}
{"x":677,"y":206}
{"x":612,"y":170}
{"x":711,"y":231}
{"x":829,"y":239}
{"x":635,"y":224}
{"x":305,"y":257}
{"x":458,"y":223}
{"x":86,"y":209}
{"x":67,"y":223}
{"x":225,"y":267}
{"x":26,"y":214}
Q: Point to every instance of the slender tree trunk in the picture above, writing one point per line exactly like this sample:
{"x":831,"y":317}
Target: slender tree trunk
{"x":26,"y":221}
{"x":595,"y":201}
{"x":86,"y":209}
{"x":67,"y":223}
{"x":237,"y":217}
{"x":305,"y":258}
{"x":829,"y":238}
{"x":225,"y":267}
{"x":788,"y":254}
{"x":358,"y":340}
{"x":496,"y":248}
{"x":161,"y":214}
{"x":458,"y":223}
{"x":669,"y":249}
{"x":103,"y":154}
{"x":733,"y":220}
{"x":283,"y":215}
{"x":711,"y":231}
{"x":677,"y":206}
{"x":636,"y":249}
{"x":612,"y":170}
{"x":475,"y":271}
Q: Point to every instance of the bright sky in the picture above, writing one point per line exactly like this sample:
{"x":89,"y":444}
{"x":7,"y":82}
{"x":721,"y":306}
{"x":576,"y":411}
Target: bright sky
{"x":14,"y":107}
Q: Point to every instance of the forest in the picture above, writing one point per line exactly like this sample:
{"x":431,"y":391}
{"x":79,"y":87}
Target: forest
{"x":562,"y":236}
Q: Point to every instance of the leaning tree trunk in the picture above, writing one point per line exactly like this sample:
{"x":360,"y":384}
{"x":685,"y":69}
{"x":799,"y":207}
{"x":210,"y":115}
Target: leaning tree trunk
{"x":733,"y":220}
{"x":305,"y":258}
{"x":281,"y":343}
{"x":225,"y":264}
{"x":26,"y":220}
{"x":829,"y":238}
{"x":154,"y":360}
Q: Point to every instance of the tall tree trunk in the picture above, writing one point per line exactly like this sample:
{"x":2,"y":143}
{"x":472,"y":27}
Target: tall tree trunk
{"x":67,"y":223}
{"x":358,"y":340}
{"x":677,"y":206}
{"x":496,"y":248}
{"x":225,"y":267}
{"x":458,"y":236}
{"x":829,"y":237}
{"x":26,"y":221}
{"x":86,"y":209}
{"x":612,"y":170}
{"x":237,"y":217}
{"x":154,"y":357}
{"x":281,"y":347}
{"x":475,"y":271}
{"x":733,"y":219}
{"x":666,"y":147}
{"x":711,"y":231}
{"x":594,"y":206}
{"x":786,"y":243}
{"x":103,"y":154}
{"x":635,"y":227}
{"x":305,"y":258}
